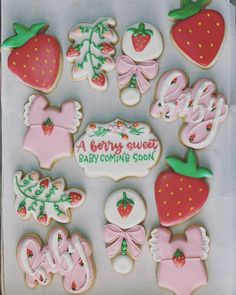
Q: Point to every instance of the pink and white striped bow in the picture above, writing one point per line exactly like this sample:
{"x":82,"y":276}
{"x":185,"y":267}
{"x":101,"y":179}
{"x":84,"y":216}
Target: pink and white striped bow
{"x":126,"y":68}
{"x":114,"y":235}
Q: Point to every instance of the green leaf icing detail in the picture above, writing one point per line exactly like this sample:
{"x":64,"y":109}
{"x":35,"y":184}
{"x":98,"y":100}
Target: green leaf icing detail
{"x":188,"y":9}
{"x":23,"y":34}
{"x":178,"y":253}
{"x":124,"y":247}
{"x":124,"y":201}
{"x":189,"y":166}
{"x":140,"y":30}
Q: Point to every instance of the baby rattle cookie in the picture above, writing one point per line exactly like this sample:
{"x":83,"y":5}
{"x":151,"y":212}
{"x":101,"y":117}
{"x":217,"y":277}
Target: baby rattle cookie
{"x":35,"y":56}
{"x":70,"y":256}
{"x":200,"y":107}
{"x":125,"y":210}
{"x":181,"y":259}
{"x":198,"y":32}
{"x":43,"y":198}
{"x":50,"y":129}
{"x":92,"y":50}
{"x":181,"y":192}
{"x":117,"y":149}
{"x":142,"y":43}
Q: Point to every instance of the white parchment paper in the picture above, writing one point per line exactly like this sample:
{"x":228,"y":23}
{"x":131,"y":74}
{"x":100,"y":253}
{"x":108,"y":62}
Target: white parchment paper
{"x":218,"y":216}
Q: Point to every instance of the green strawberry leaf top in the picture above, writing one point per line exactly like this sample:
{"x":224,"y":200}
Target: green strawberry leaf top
{"x":189,"y":166}
{"x":23,"y":34}
{"x":48,"y":122}
{"x":178,"y":254}
{"x":188,"y":9}
{"x":124,"y":201}
{"x":140,"y":30}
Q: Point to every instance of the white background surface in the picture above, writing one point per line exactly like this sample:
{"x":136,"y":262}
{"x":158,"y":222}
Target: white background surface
{"x":218,"y":216}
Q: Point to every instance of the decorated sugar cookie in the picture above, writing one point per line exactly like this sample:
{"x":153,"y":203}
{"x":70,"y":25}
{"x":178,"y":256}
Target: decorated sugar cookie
{"x":44,"y":198}
{"x":69,"y":256}
{"x":35,"y":56}
{"x":181,"y":191}
{"x":124,"y":236}
{"x":117,"y":149}
{"x":201,"y":108}
{"x":198,"y":32}
{"x":141,"y":43}
{"x":92,"y":50}
{"x":181,"y":259}
{"x":50,"y":129}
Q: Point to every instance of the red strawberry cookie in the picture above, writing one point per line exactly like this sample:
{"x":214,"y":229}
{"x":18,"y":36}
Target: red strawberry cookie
{"x":35,"y":57}
{"x":142,"y":42}
{"x":198,"y":33}
{"x":182,"y":191}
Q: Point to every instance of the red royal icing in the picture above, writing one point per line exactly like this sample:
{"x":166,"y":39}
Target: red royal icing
{"x":37,"y":62}
{"x":200,"y":37}
{"x":179,"y":197}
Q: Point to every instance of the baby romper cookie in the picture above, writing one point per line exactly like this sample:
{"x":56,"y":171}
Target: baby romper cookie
{"x":181,"y":259}
{"x":117,"y":149}
{"x":49,"y":136}
{"x":198,"y":32}
{"x":182,"y":191}
{"x":35,"y":57}
{"x":44,"y":198}
{"x":92,"y":50}
{"x":201,"y":108}
{"x":125,"y":210}
{"x":70,"y":256}
{"x":141,"y":44}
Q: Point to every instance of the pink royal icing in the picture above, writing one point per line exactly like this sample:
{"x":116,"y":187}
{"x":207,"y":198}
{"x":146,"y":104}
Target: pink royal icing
{"x":184,"y":274}
{"x":49,"y":134}
{"x":201,"y":109}
{"x":126,"y":68}
{"x":114,"y":235}
{"x":70,"y":257}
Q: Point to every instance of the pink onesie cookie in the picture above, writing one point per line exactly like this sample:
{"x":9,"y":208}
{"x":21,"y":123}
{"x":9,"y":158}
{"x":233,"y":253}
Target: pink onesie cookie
{"x":181,"y":267}
{"x":70,"y":256}
{"x":49,"y":136}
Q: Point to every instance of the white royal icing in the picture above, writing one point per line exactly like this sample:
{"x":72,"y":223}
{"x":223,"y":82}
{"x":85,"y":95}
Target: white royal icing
{"x":117,"y":149}
{"x":122,"y":264}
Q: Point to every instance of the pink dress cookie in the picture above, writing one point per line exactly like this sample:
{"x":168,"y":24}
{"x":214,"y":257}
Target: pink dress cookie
{"x":71,"y":257}
{"x":181,"y":267}
{"x":49,"y":136}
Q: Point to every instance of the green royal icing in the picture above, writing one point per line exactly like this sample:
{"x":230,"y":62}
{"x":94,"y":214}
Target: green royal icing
{"x":140,"y":30}
{"x":23,"y":34}
{"x":124,"y":201}
{"x":124,"y":247}
{"x":188,"y":9}
{"x":189,"y":166}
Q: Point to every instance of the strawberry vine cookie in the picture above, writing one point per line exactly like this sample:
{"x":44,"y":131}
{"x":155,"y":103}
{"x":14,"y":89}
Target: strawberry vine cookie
{"x":69,"y":256}
{"x":44,"y":199}
{"x":141,"y":44}
{"x":35,"y":56}
{"x":181,"y":191}
{"x":198,"y":33}
{"x":201,"y":108}
{"x":92,"y":50}
{"x":50,"y":129}
{"x":117,"y":149}
{"x":124,"y":236}
{"x":181,"y":259}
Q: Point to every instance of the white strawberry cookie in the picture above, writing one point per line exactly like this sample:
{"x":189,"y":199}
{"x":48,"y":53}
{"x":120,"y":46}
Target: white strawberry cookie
{"x":198,"y":33}
{"x":142,"y":44}
{"x":92,"y":50}
{"x":35,"y":56}
{"x":125,"y":210}
{"x":43,"y":198}
{"x":117,"y":149}
{"x":67,"y":255}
